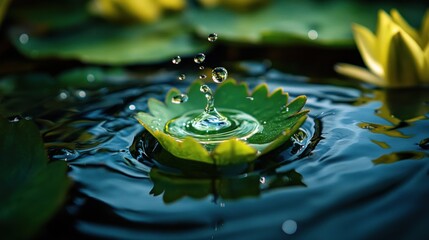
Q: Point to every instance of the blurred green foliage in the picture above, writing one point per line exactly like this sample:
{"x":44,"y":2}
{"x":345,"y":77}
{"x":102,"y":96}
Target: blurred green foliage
{"x":74,"y":30}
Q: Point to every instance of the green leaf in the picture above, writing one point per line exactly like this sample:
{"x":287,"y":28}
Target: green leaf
{"x":108,"y":43}
{"x":32,"y":189}
{"x":285,"y":22}
{"x":280,"y":121}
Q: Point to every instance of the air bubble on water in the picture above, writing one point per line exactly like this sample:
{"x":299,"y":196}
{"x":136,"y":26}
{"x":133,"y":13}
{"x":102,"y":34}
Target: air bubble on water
{"x":199,"y":58}
{"x":176,"y":60}
{"x":202,"y":76}
{"x":90,"y":77}
{"x":212,"y":37}
{"x":182,"y":77}
{"x":132,"y":107}
{"x":201,"y":67}
{"x":219,"y":74}
{"x":181,"y":98}
{"x":23,"y":38}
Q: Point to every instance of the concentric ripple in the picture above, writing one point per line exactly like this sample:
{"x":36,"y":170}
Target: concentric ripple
{"x":240,"y":125}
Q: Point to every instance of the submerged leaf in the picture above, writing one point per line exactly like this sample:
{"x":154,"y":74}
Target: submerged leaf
{"x":278,"y":119}
{"x":32,"y":189}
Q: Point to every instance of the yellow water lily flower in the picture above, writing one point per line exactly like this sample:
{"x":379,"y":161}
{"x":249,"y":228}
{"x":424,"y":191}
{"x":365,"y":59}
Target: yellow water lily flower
{"x":134,"y":10}
{"x":397,"y":55}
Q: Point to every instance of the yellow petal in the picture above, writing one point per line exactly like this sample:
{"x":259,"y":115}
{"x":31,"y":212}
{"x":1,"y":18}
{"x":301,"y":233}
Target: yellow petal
{"x":172,"y":4}
{"x":425,"y":77}
{"x":141,"y":10}
{"x":359,"y":73}
{"x":386,"y":29}
{"x":104,"y":8}
{"x":400,"y":21}
{"x":366,"y":43}
{"x":209,"y":3}
{"x":405,"y":63}
{"x":425,"y":29}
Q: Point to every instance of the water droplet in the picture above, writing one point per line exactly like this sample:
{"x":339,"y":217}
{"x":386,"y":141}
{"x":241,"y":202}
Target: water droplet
{"x":90,"y":77}
{"x":250,"y":98}
{"x":219,"y":74}
{"x":132,"y":107}
{"x":262,"y":180}
{"x":205,"y":89}
{"x":313,"y":34}
{"x":289,"y":227}
{"x":181,"y":98}
{"x":201,"y":67}
{"x":203,"y":76}
{"x":212,"y":37}
{"x":182,"y":77}
{"x":199,"y":58}
{"x":264,"y":122}
{"x":23,"y":38}
{"x":176,"y":60}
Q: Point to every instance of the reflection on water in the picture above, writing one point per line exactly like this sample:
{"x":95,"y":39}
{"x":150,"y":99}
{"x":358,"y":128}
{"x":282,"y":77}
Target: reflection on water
{"x":349,"y":176}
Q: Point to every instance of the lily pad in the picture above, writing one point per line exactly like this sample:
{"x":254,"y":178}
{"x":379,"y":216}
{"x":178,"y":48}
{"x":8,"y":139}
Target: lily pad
{"x":32,"y":189}
{"x":285,"y":22}
{"x":108,"y":43}
{"x":279,"y":119}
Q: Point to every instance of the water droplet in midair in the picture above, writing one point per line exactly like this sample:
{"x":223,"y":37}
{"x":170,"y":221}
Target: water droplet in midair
{"x":205,"y":89}
{"x":181,"y":98}
{"x":219,"y":74}
{"x":182,"y":77}
{"x":199,"y":58}
{"x":313,"y":34}
{"x":23,"y":38}
{"x":203,"y":76}
{"x":212,"y":37}
{"x":201,"y":67}
{"x":176,"y":60}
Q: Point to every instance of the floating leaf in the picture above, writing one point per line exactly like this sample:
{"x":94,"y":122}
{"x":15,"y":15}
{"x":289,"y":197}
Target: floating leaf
{"x":280,"y":120}
{"x":284,"y":22}
{"x":32,"y":189}
{"x":106,"y":43}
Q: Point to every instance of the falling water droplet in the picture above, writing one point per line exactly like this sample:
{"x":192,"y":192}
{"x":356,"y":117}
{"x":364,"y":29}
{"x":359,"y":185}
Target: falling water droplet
{"x":212,"y":37}
{"x":205,"y":89}
{"x":203,"y":76}
{"x":201,"y":67}
{"x":219,"y":74}
{"x":182,"y":77}
{"x":23,"y":38}
{"x":176,"y":60}
{"x":199,"y":58}
{"x":181,"y":98}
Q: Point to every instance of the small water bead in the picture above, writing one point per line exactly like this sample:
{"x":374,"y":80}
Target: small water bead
{"x":176,"y":60}
{"x":182,"y":77}
{"x":250,"y":98}
{"x":203,"y":76}
{"x":212,"y":37}
{"x":199,"y":58}
{"x":23,"y":38}
{"x":178,"y":99}
{"x":219,"y":74}
{"x":201,"y":67}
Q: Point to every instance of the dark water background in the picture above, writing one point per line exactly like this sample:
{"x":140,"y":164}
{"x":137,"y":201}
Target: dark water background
{"x":356,"y":171}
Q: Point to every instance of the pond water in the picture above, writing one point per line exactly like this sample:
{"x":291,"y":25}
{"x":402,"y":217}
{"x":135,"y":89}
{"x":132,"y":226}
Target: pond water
{"x":358,"y":169}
